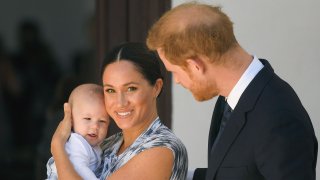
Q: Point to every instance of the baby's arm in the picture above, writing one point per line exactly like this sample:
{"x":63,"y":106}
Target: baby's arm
{"x":80,"y":153}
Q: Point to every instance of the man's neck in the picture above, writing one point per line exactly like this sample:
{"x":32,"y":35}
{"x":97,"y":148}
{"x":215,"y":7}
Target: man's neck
{"x":235,"y":64}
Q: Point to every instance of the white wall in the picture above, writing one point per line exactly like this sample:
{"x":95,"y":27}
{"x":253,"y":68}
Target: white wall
{"x":284,"y":32}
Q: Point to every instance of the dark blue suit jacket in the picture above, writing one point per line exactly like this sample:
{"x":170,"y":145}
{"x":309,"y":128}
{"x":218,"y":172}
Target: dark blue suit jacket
{"x":268,"y":136}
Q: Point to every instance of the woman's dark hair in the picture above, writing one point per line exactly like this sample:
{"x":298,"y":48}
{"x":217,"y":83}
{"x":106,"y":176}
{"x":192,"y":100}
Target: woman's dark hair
{"x":146,"y":61}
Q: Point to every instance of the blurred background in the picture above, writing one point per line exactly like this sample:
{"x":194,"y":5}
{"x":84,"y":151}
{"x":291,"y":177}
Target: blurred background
{"x":44,"y":49}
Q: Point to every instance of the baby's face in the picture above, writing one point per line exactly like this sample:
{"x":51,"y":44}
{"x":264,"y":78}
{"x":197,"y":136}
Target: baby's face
{"x":90,"y":120}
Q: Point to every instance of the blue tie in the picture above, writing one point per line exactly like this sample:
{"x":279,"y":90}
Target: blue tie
{"x":226,"y":115}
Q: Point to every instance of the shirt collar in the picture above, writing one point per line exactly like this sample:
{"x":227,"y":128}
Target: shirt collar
{"x":235,"y":94}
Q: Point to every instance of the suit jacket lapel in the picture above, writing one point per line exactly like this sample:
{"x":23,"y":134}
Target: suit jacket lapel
{"x":231,"y":131}
{"x":237,"y":119}
{"x":215,"y":123}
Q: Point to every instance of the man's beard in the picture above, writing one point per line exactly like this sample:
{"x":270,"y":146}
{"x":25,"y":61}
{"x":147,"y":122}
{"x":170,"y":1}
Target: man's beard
{"x":202,"y":92}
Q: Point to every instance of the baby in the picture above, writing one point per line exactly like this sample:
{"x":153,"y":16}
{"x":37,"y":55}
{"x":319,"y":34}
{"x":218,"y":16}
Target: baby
{"x":90,"y":126}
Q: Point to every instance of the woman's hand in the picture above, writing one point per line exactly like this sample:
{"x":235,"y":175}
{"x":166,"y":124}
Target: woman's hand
{"x":64,"y":167}
{"x":63,"y":130}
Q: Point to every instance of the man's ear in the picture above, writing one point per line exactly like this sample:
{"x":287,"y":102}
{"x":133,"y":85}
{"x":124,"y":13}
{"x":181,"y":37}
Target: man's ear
{"x":160,"y":53}
{"x":196,"y":65}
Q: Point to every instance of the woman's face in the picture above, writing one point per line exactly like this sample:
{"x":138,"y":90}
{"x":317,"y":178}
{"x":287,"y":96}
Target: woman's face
{"x":129,"y":98}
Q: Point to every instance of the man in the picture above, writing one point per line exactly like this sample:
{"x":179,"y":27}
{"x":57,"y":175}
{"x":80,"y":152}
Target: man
{"x":259,"y":128}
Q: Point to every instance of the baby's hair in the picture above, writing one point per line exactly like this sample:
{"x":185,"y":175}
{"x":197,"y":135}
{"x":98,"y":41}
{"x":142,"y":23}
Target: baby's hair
{"x":97,"y":89}
{"x":87,"y":90}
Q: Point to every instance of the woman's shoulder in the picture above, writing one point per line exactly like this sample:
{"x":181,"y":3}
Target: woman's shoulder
{"x":163,"y":137}
{"x":163,"y":132}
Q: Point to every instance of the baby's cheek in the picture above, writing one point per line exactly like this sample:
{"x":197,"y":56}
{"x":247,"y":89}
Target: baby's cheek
{"x":104,"y":130}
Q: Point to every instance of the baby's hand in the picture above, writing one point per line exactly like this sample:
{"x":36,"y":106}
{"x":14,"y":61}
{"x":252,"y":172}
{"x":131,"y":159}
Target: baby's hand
{"x":63,"y":130}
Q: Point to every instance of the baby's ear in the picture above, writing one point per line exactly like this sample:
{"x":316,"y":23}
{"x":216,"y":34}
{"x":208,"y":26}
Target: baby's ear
{"x":72,"y":124}
{"x":72,"y":130}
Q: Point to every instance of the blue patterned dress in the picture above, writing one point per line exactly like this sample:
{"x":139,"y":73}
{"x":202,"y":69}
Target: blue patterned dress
{"x":157,"y":135}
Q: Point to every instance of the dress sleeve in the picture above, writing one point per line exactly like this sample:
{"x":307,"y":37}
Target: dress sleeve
{"x":165,"y":138}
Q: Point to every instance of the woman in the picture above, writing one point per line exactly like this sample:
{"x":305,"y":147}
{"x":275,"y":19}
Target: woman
{"x":145,"y":149}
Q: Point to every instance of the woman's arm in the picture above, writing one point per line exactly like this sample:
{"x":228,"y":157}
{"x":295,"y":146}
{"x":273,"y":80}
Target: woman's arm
{"x":64,"y":167}
{"x":147,"y":165}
